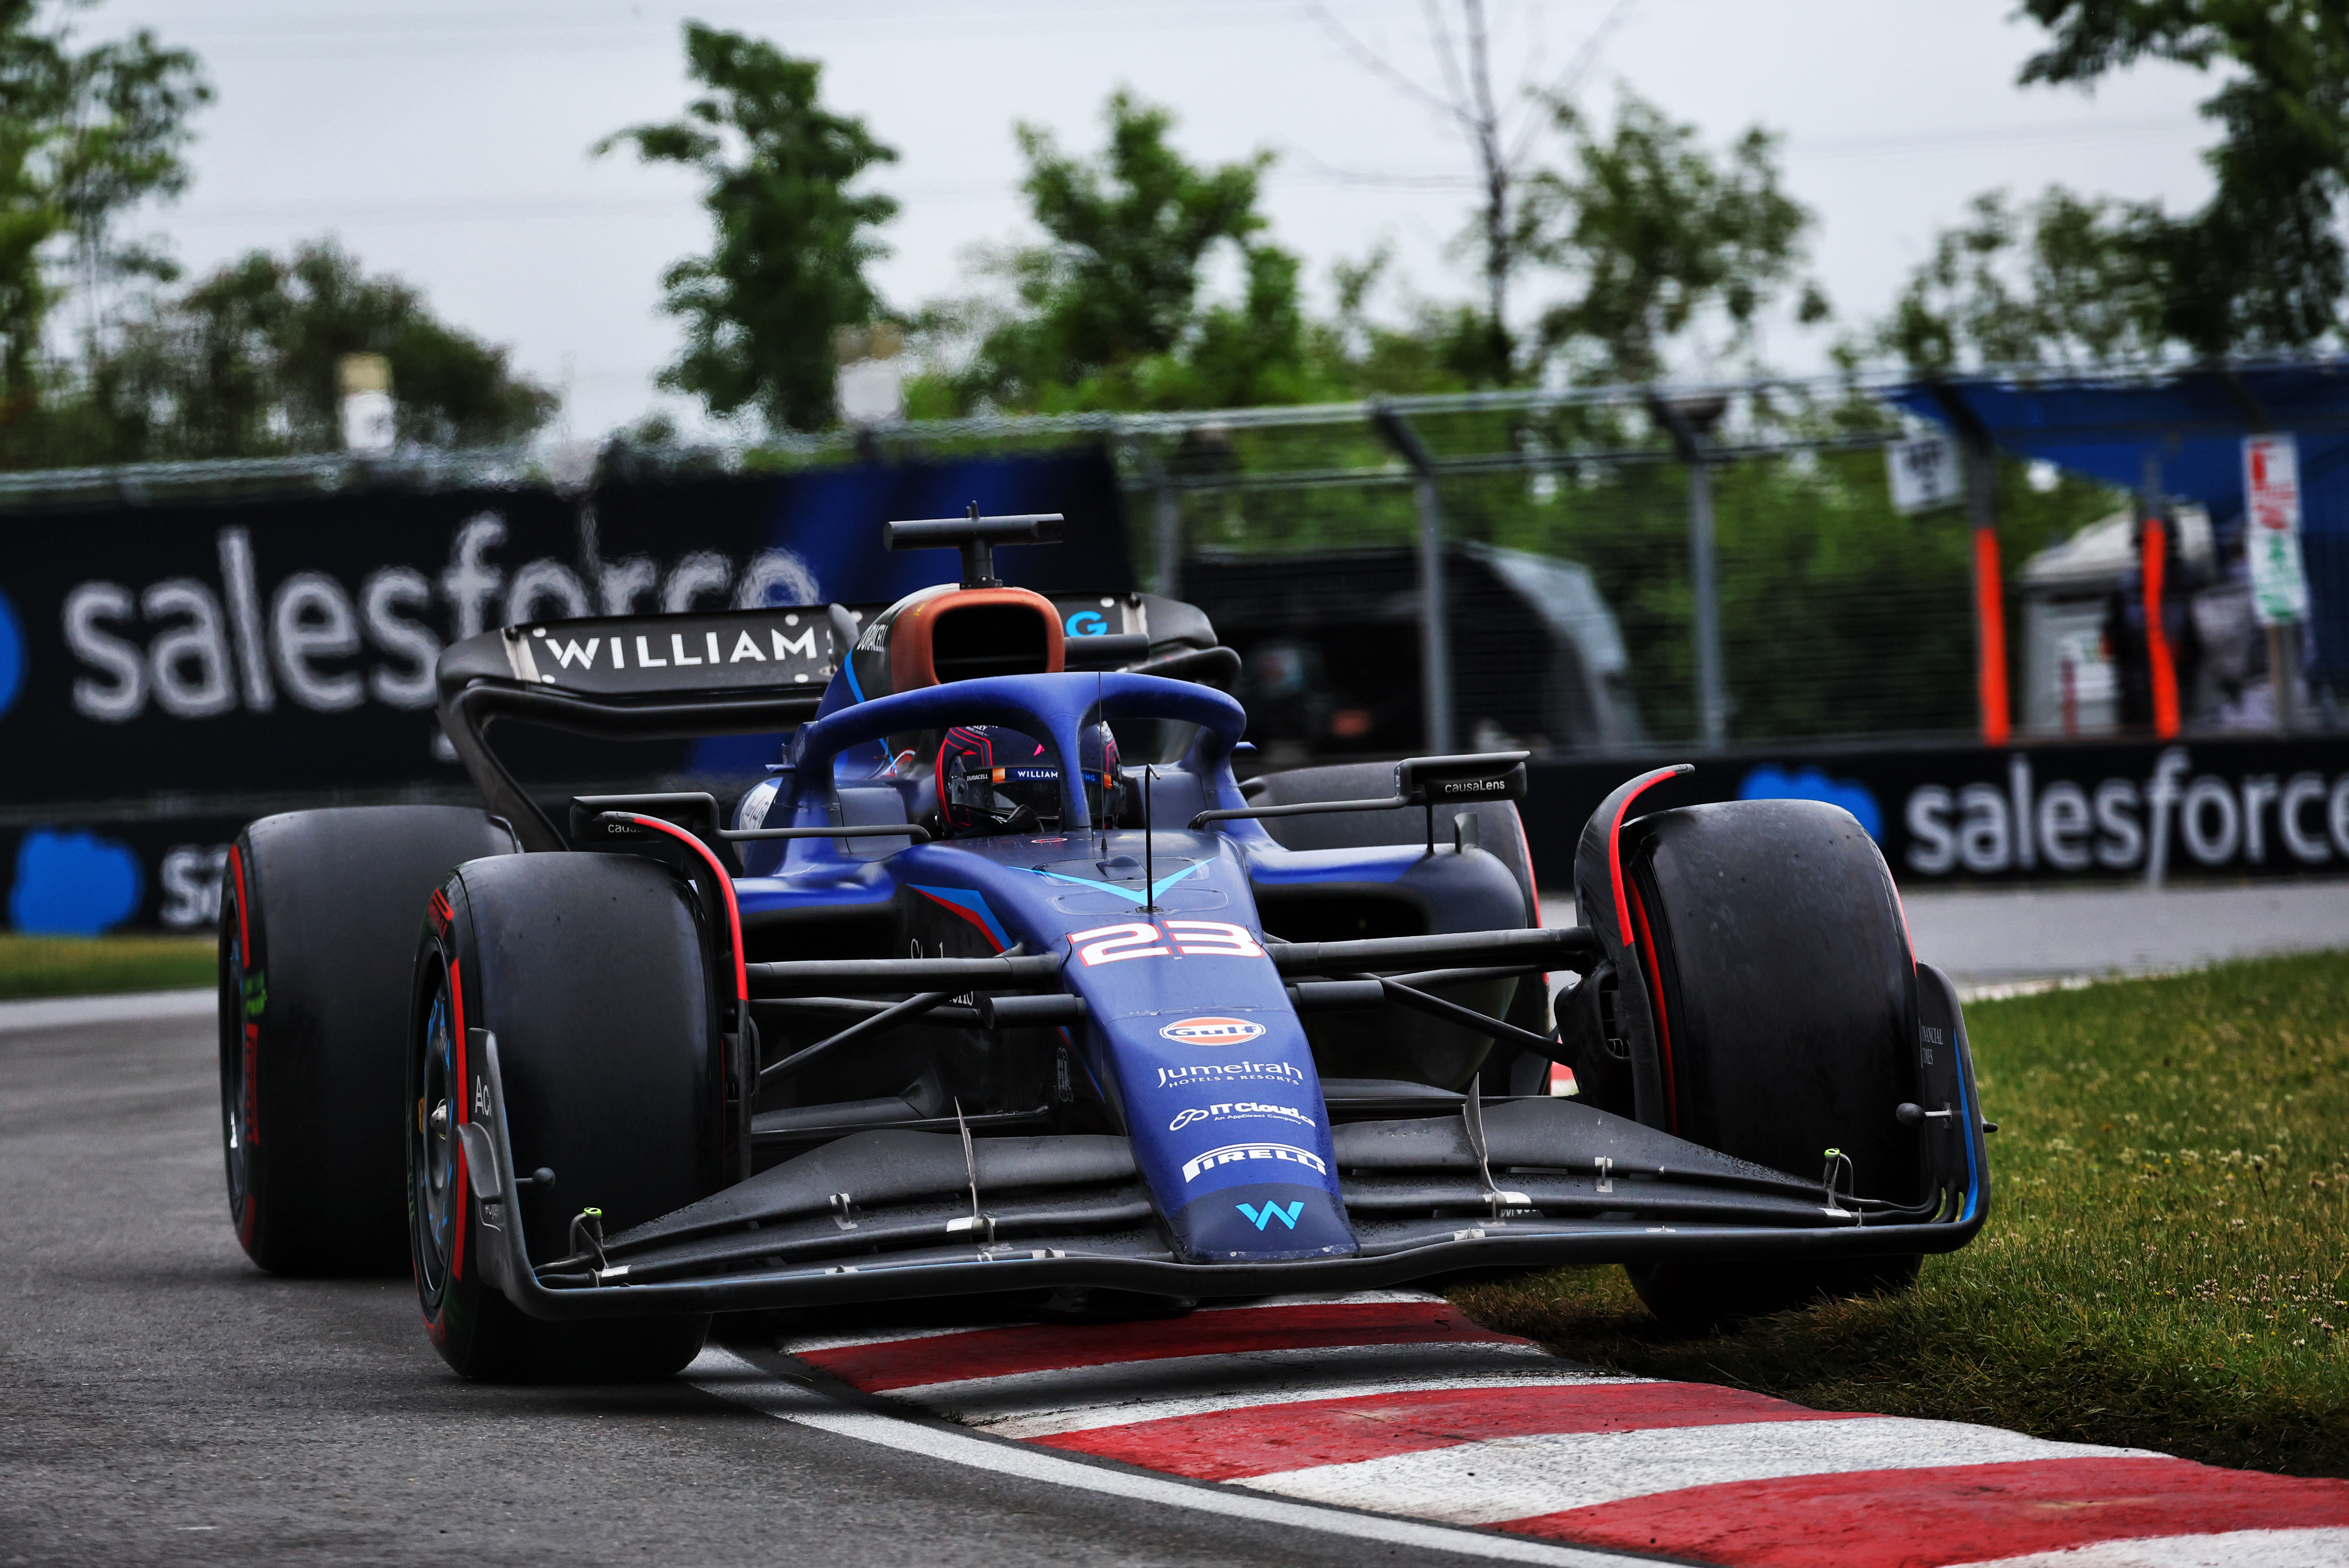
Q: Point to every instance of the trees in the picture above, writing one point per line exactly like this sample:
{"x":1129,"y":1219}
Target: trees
{"x":2066,"y":280}
{"x":2261,"y":267}
{"x":1106,"y":313}
{"x":243,"y":364}
{"x":787,"y":267}
{"x":1655,"y":233}
{"x":85,"y":136}
{"x":1466,"y":99}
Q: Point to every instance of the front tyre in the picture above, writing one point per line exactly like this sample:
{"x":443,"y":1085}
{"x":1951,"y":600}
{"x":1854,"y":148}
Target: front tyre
{"x":1786,"y":1025}
{"x":592,"y":972}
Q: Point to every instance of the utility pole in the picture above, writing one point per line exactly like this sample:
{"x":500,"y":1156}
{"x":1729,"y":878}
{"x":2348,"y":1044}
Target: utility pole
{"x":1434,"y":628}
{"x":1687,"y":424}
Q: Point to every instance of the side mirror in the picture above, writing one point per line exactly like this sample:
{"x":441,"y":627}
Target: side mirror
{"x":1461,"y":780}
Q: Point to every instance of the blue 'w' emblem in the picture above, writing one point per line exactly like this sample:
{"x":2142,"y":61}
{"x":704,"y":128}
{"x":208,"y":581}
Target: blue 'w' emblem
{"x":1274,"y":1212}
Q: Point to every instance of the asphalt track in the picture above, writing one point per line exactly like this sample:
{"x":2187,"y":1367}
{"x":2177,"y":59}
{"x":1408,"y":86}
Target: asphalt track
{"x":162,"y":1401}
{"x":1989,"y":939}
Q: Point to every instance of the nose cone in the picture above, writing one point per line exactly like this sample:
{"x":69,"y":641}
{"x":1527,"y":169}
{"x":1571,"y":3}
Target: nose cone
{"x":1228,"y":1127}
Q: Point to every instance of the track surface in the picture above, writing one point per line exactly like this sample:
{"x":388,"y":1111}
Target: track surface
{"x":160,"y":1400}
{"x":1993,"y":937}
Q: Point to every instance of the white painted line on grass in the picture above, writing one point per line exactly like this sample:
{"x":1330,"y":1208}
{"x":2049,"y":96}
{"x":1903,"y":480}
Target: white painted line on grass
{"x":728,"y":1375}
{"x":64,"y":1012}
{"x":2232,"y":1549}
{"x":1522,"y":1478}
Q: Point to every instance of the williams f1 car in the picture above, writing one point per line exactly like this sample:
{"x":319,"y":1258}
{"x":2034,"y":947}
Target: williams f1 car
{"x":1002,"y":981}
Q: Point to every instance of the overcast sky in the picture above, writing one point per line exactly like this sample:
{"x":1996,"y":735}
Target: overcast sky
{"x":448,"y":144}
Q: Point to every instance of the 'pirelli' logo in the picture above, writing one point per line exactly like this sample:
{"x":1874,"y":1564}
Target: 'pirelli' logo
{"x":1193,"y":1167}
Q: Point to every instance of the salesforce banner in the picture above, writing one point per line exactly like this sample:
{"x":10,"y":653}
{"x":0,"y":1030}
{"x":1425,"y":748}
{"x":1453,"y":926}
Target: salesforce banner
{"x":2217,"y":808}
{"x":161,"y":664}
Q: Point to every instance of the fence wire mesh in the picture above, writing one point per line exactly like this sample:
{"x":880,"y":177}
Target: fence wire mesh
{"x":1837,"y":615}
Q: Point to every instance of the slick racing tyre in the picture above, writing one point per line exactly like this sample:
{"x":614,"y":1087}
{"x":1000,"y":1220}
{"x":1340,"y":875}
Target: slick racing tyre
{"x":317,"y":942}
{"x":1786,"y":1021}
{"x":590,"y":973}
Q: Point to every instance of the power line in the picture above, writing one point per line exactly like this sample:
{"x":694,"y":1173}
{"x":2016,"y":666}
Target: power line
{"x":493,"y":207}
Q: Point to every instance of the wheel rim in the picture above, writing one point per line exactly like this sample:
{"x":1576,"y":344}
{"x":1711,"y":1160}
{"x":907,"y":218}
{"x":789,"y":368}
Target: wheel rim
{"x":432,"y":1146}
{"x":236,"y":1131}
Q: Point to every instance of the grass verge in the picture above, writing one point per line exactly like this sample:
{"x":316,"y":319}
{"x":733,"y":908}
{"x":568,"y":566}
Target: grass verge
{"x":2167,"y":1258}
{"x":78,"y":966}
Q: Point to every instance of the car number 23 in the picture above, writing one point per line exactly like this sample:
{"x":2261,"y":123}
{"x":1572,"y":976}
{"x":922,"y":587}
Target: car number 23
{"x":1140,"y":940}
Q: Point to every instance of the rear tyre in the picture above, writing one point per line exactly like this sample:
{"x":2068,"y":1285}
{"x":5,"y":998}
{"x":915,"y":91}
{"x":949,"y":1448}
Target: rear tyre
{"x":316,"y":946}
{"x":1786,"y":1021}
{"x":592,"y":972}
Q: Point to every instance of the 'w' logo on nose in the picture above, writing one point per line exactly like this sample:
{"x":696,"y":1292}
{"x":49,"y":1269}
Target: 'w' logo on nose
{"x":1274,"y":1212}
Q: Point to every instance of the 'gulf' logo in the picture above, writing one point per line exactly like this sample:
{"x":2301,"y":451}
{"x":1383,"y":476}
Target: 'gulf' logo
{"x":1212,"y":1031}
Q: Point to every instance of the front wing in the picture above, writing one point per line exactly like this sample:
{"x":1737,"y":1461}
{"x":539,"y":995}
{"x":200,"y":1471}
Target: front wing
{"x":892,"y":1215}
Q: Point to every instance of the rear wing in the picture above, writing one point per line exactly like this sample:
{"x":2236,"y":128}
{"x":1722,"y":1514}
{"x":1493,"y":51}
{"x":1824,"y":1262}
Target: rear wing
{"x":723,"y":672}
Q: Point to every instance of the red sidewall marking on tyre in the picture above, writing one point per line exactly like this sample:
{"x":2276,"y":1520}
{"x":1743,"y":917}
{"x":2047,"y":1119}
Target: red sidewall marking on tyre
{"x":1663,"y":1024}
{"x":460,"y":1092}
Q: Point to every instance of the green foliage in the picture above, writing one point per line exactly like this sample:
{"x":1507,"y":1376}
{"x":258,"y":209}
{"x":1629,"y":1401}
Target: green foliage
{"x":1655,"y":233}
{"x":1838,"y":615}
{"x":2090,"y":288}
{"x":2162,"y":1263}
{"x":2261,"y":267}
{"x":243,"y":364}
{"x":1436,"y":347}
{"x":1106,"y":312}
{"x":84,"y":135}
{"x":787,"y":269}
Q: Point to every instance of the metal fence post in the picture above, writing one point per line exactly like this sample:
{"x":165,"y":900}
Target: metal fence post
{"x":1435,"y":621}
{"x":1166,"y":538}
{"x":1687,"y":424}
{"x":1165,"y":520}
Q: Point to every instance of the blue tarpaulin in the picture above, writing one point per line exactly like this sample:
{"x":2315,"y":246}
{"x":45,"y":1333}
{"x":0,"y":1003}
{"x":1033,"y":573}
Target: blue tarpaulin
{"x":2191,"y":424}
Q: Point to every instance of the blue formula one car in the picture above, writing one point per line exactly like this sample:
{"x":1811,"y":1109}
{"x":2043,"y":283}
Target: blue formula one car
{"x":1002,"y":982}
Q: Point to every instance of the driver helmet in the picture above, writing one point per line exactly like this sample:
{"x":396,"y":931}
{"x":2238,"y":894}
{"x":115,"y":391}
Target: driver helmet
{"x":995,"y":779}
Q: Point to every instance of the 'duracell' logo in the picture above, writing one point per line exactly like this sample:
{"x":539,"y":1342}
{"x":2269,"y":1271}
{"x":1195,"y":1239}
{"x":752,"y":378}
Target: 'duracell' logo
{"x":1212,"y":1032}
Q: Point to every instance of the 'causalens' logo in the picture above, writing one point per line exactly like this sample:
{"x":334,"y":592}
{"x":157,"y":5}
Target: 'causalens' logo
{"x":1212,"y":1032}
{"x":1270,"y":1211}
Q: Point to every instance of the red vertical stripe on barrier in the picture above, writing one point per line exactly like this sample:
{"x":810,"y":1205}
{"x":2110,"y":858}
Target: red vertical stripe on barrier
{"x":2156,"y":636}
{"x":1990,"y":636}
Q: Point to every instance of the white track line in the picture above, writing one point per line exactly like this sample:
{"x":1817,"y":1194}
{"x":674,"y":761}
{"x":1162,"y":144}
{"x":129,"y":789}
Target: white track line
{"x":2234,"y":1549}
{"x":1059,"y":1421}
{"x":1521,"y":1478}
{"x":730,"y":1377}
{"x":977,"y":1401}
{"x":814,"y":1343}
{"x":65,"y":1012}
